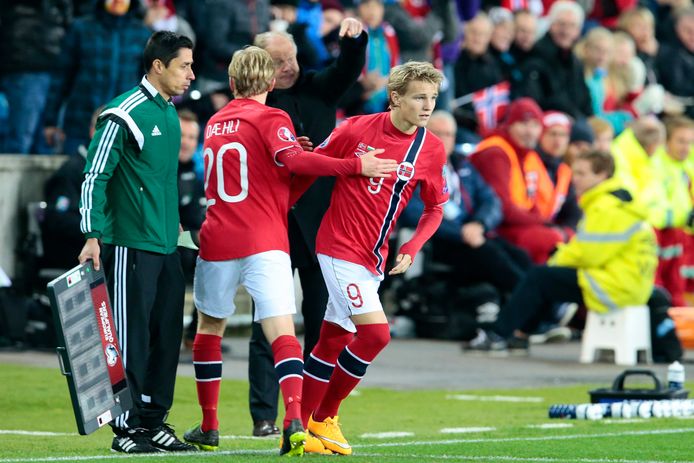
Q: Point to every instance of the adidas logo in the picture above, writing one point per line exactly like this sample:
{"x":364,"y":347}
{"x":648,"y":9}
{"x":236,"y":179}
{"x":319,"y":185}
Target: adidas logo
{"x":155,"y":131}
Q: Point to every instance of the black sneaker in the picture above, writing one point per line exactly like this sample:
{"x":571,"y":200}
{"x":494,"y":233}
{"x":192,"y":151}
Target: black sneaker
{"x":486,"y":341}
{"x":135,"y":440}
{"x":165,"y":440}
{"x":293,"y":440}
{"x":204,"y":440}
{"x":265,"y":428}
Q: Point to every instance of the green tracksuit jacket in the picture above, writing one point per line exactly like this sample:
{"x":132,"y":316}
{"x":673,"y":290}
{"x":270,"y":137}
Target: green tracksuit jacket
{"x":129,"y":195}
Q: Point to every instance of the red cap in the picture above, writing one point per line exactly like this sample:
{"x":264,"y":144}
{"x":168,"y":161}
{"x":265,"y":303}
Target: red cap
{"x":522,"y":110}
{"x":552,"y":118}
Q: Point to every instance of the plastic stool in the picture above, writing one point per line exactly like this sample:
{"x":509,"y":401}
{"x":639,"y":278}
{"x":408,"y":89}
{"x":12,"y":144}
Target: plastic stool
{"x":625,"y":331}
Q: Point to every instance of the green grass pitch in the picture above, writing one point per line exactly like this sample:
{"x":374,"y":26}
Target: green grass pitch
{"x":37,"y":424}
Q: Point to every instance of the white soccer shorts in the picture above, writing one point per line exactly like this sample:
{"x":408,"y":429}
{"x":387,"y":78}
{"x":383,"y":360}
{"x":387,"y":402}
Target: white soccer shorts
{"x":267,"y":276}
{"x":352,"y":290}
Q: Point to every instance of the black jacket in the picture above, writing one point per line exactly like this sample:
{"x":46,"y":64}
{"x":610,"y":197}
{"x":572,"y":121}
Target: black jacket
{"x":31,"y":33}
{"x":311,"y":103}
{"x":473,"y":73}
{"x":222,"y":27}
{"x":191,"y":197}
{"x":60,"y":227}
{"x":554,"y":79}
{"x":675,"y":68}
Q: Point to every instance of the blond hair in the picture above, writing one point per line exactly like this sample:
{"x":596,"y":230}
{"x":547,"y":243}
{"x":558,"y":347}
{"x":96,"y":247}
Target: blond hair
{"x":252,"y":71}
{"x":593,"y":36}
{"x":401,"y":76}
{"x":600,"y":126}
{"x":627,"y":17}
{"x":674,"y":123}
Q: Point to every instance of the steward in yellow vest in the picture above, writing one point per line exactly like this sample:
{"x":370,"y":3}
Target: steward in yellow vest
{"x":510,"y":165}
{"x":609,"y":264}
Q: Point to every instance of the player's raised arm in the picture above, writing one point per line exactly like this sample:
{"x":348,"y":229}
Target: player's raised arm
{"x":368,"y":165}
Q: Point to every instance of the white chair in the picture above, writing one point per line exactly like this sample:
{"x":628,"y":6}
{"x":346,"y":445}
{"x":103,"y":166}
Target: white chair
{"x":625,"y":331}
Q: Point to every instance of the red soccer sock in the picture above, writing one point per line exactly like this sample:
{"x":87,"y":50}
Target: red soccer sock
{"x":351,"y":367}
{"x":289,"y":366}
{"x":319,"y":366}
{"x":207,"y":361}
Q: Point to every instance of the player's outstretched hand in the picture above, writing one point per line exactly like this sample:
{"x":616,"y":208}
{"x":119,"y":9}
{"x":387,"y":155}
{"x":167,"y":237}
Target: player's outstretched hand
{"x":305,"y":143}
{"x":402,"y":263}
{"x":91,"y":250}
{"x":351,"y":28}
{"x":372,"y":166}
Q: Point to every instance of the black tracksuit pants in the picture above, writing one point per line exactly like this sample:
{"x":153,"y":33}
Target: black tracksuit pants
{"x":147,"y":293}
{"x":534,"y":298}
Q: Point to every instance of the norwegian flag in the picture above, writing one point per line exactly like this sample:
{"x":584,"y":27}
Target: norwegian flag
{"x":405,"y":171}
{"x":490,"y":105}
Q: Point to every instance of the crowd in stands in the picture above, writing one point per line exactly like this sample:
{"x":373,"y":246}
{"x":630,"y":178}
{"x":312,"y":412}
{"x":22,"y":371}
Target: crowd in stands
{"x":531,"y":86}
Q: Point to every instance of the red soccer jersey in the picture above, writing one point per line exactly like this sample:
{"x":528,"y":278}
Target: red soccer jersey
{"x":247,"y":191}
{"x":363,"y":211}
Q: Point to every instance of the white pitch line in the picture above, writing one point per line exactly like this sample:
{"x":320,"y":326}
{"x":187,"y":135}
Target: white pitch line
{"x":510,"y":458}
{"x":465,"y":430}
{"x":400,"y":444}
{"x":19,"y":432}
{"x":386,"y":435}
{"x":529,"y":439}
{"x":494,"y":398}
{"x":550,"y":425}
{"x":140,"y":455}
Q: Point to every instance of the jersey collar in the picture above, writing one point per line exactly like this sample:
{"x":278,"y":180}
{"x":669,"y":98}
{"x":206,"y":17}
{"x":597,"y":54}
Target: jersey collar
{"x":152,"y":92}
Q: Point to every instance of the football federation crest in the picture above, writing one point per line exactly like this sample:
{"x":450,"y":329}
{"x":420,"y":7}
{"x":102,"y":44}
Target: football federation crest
{"x":362,"y":149}
{"x":111,"y":354}
{"x":325,"y":142}
{"x":285,"y":134}
{"x":405,"y":171}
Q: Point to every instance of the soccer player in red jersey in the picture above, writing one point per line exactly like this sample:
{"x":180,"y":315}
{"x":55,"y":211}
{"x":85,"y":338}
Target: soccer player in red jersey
{"x":352,"y":242}
{"x":250,"y":153}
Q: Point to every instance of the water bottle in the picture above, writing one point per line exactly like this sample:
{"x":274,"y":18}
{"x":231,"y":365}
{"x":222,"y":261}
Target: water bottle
{"x":657,"y":409}
{"x":641,"y":409}
{"x":592,"y":412}
{"x":675,"y":375}
{"x":562,"y":411}
{"x":606,"y":410}
{"x":688,"y":407}
{"x":666,"y":408}
{"x":621,"y":410}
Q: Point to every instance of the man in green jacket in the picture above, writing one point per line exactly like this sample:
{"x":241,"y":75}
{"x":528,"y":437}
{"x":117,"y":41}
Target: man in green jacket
{"x":610,"y":263}
{"x":129,"y":207}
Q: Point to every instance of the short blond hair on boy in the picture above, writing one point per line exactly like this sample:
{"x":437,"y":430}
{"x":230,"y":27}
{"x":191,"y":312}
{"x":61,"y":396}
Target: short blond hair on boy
{"x":401,"y":76}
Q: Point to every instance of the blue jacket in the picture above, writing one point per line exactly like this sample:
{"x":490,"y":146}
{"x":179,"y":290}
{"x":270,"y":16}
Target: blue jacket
{"x":101,"y":58}
{"x":472,"y":200}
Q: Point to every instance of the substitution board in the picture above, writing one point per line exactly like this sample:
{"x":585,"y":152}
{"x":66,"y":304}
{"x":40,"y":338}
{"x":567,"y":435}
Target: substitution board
{"x":88,"y":350}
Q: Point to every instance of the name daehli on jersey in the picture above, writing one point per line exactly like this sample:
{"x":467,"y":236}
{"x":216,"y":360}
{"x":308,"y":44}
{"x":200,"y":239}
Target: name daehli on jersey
{"x":222,"y":128}
{"x":246,"y":189}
